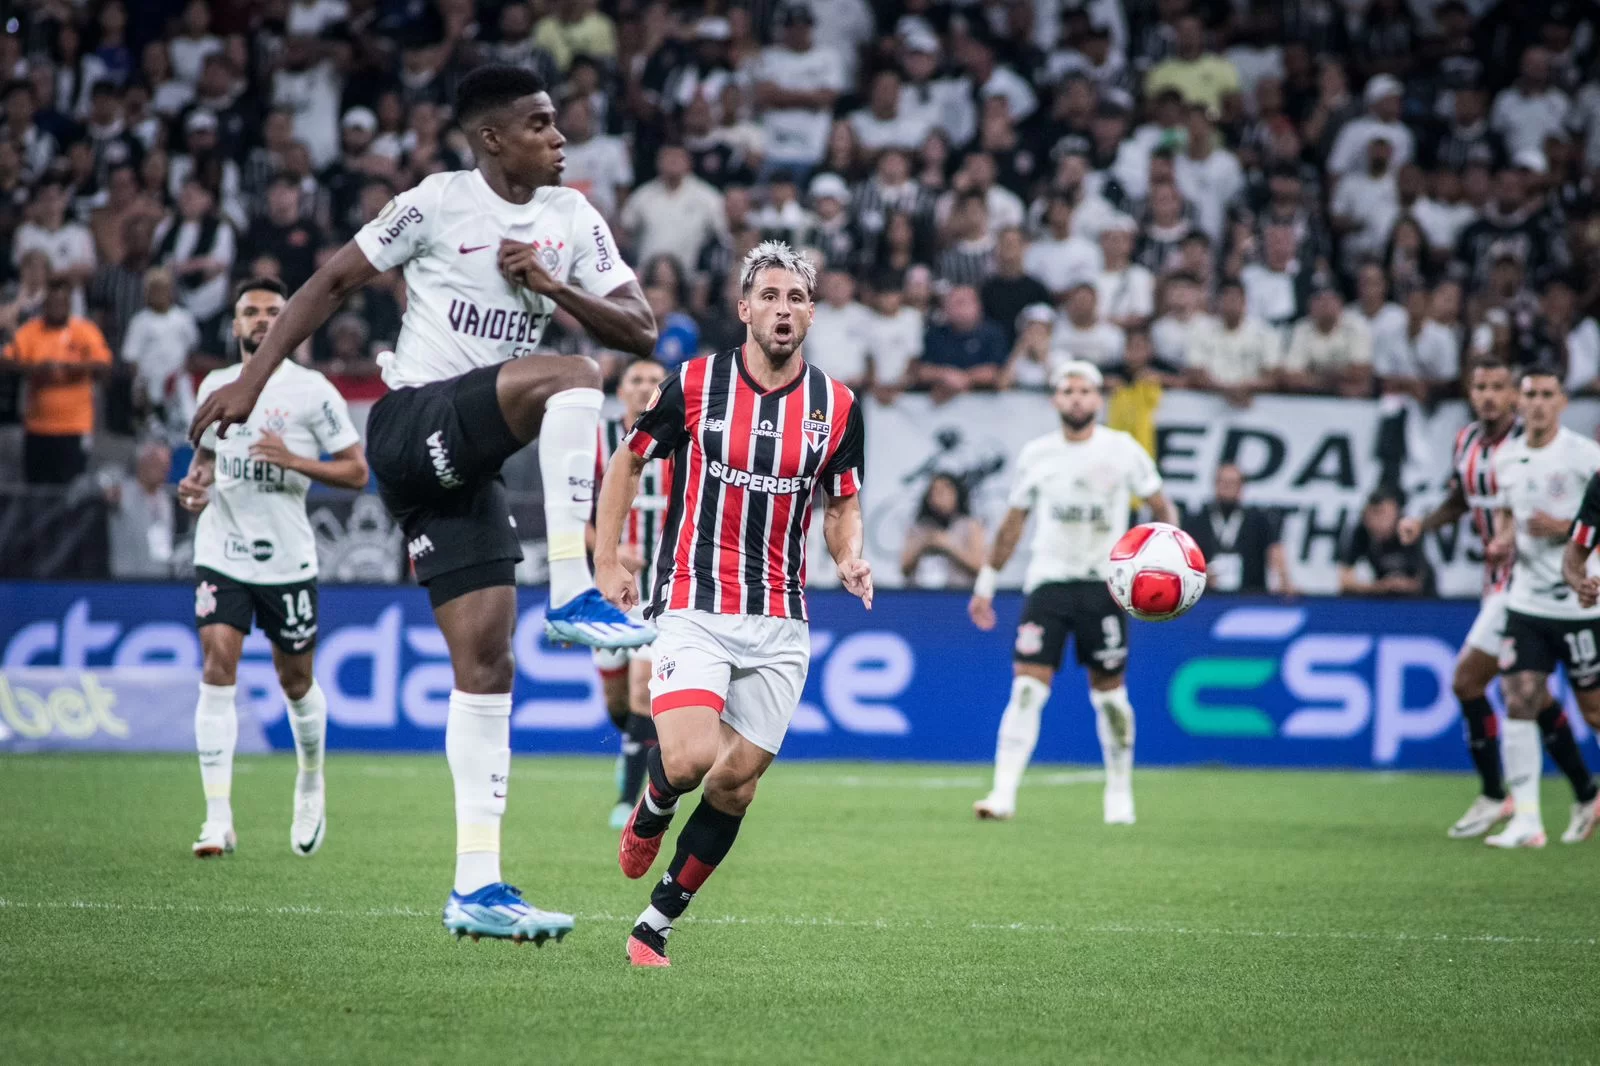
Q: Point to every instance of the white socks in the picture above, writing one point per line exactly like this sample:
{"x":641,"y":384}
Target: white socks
{"x":1019,"y":732}
{"x":308,"y":720}
{"x":1113,"y":722}
{"x":1523,"y":753}
{"x":477,"y":743}
{"x":567,"y":441}
{"x":216,"y":731}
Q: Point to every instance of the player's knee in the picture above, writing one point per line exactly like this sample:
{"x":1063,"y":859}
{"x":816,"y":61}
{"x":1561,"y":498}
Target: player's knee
{"x":485,"y":670}
{"x":295,"y":678}
{"x":217,"y":666}
{"x":730,"y":795}
{"x":577,"y":372}
{"x":686,"y":767}
{"x":1466,"y":687}
{"x":1525,"y":697}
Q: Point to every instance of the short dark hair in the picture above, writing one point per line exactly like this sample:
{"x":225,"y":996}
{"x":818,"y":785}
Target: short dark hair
{"x":58,"y":282}
{"x":494,"y":85}
{"x":1229,"y":283}
{"x":1487,"y":362}
{"x":259,"y":285}
{"x":1543,"y":370}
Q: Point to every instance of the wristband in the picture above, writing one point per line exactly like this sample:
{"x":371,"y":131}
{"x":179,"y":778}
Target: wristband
{"x":988,"y":577}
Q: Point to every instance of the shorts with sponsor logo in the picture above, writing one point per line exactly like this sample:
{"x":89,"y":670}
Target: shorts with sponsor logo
{"x":287,"y":614}
{"x":1489,"y":628}
{"x":1083,"y":610}
{"x":1539,"y":644}
{"x":437,"y":450}
{"x":749,"y":668}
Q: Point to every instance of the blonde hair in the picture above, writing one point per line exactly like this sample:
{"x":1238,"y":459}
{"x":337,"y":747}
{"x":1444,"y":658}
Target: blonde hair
{"x":777,"y":255}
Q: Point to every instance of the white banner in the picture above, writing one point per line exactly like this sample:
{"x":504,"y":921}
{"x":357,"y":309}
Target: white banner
{"x":1313,"y":458}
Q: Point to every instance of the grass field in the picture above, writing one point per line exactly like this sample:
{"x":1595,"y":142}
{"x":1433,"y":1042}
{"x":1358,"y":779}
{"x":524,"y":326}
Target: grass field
{"x":864,"y":917}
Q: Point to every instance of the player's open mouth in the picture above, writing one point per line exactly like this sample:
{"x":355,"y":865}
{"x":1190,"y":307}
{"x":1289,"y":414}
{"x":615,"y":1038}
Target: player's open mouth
{"x":783,"y":331}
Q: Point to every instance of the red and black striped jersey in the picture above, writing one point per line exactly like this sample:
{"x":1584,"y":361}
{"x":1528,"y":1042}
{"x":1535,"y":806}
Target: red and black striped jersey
{"x":641,"y":530}
{"x":1472,"y":469}
{"x":745,"y":464}
{"x":1586,"y":526}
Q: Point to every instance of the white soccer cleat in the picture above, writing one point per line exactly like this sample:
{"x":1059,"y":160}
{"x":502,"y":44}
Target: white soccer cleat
{"x":990,"y":809}
{"x":1481,"y":817}
{"x":216,"y":838}
{"x":310,"y":823}
{"x":1119,"y":806}
{"x":1523,"y":831}
{"x":1581,"y":827}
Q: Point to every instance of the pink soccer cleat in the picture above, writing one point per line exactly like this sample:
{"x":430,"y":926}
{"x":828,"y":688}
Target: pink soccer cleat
{"x":646,"y":947}
{"x":635,"y":853}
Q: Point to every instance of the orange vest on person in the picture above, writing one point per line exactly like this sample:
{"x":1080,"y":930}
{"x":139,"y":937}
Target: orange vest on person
{"x":59,"y":408}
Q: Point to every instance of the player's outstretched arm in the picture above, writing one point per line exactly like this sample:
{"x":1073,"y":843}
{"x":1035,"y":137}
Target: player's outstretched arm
{"x":1161,"y":509}
{"x":981,"y":607}
{"x":617,"y":491}
{"x":1450,"y":510}
{"x":621,"y":319}
{"x":303,"y":315}
{"x":842,"y":529}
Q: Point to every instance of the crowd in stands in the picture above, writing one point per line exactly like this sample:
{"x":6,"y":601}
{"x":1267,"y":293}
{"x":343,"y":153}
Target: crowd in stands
{"x":1341,"y":197}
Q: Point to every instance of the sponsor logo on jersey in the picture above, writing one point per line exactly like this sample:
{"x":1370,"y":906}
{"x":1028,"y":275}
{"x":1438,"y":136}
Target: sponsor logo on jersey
{"x":1074,"y":513}
{"x":817,"y":430}
{"x":411,"y":216}
{"x":602,"y":250}
{"x":764,"y":483}
{"x":261,"y":550}
{"x":205,"y":600}
{"x":767,"y":429}
{"x":417,"y":547}
{"x":243,"y":468}
{"x":1030,"y":638}
{"x":496,"y":323}
{"x":714,"y":425}
{"x":441,"y":461}
{"x":331,"y":417}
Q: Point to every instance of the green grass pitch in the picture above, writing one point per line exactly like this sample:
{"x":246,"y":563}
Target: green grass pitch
{"x":864,"y":917}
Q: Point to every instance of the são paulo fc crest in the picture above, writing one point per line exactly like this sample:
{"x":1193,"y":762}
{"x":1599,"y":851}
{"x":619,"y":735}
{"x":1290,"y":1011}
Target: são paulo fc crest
{"x":205,"y":600}
{"x":549,"y":253}
{"x":816,"y":430}
{"x":664,"y":669}
{"x":1030,"y":638}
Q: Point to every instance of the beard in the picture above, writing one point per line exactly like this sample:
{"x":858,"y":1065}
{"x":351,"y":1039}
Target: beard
{"x":250,"y":342}
{"x":780,"y":349}
{"x":1077,"y":423}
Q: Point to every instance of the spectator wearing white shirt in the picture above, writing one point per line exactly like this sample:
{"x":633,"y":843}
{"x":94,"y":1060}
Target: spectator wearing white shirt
{"x":1366,"y":204}
{"x":1238,"y":354}
{"x":1208,"y":175}
{"x":797,"y":84}
{"x":1577,"y":337}
{"x":1381,"y":123}
{"x":893,"y":335}
{"x":1273,"y":288}
{"x":159,"y":340}
{"x":979,"y":174}
{"x":68,"y":245}
{"x":598,"y":165}
{"x":1080,"y":332}
{"x":1415,"y":356}
{"x":940,"y":103}
{"x":1058,"y":258}
{"x":844,"y":26}
{"x":1372,"y":301}
{"x":200,"y":131}
{"x":198,"y":246}
{"x":189,"y":49}
{"x":1330,"y":350}
{"x":1185,"y":318}
{"x":1444,"y":213}
{"x":882,"y":124}
{"x":1028,"y":366}
{"x":143,"y":512}
{"x":837,"y":341}
{"x":1530,"y":109}
{"x":675,"y":213}
{"x":976,"y":54}
{"x":1126,"y":290}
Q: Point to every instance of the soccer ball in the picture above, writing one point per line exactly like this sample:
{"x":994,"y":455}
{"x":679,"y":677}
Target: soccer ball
{"x":1157,"y":572}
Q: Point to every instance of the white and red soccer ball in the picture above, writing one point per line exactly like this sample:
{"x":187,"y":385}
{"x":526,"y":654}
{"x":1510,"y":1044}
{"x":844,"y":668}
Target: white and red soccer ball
{"x":1157,"y":572}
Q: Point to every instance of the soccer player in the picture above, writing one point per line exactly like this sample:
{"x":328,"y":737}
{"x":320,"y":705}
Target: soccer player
{"x":625,"y":673}
{"x":1492,"y":392}
{"x":1541,"y":478}
{"x":751,"y":432}
{"x":1081,"y":481}
{"x":489,"y":254}
{"x":256,"y":558}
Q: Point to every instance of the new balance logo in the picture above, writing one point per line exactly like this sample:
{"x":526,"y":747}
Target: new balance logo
{"x":441,"y":461}
{"x":419,"y":547}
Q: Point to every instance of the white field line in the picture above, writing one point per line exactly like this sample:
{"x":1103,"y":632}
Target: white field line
{"x":1034,"y":928}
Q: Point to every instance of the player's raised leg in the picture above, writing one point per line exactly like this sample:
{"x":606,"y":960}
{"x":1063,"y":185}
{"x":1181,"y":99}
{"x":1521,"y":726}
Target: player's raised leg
{"x":308,"y":721}
{"x":216,"y":721}
{"x":1475,"y":668}
{"x":477,"y":627}
{"x":1113,"y":720}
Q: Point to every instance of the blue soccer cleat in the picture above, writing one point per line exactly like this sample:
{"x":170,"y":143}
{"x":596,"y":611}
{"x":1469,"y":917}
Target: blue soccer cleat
{"x":498,"y":910}
{"x":590,"y":619}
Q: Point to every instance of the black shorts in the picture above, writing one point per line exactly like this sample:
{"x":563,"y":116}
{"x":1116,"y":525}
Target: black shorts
{"x":1538,"y":644}
{"x":1081,"y":609}
{"x":287,"y":614}
{"x":437,"y":450}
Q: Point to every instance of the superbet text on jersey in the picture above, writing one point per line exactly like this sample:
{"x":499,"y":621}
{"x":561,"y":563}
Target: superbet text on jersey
{"x":461,"y":313}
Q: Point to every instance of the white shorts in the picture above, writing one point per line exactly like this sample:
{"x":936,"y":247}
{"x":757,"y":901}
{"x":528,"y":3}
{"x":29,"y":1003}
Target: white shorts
{"x":1488,"y":629}
{"x":608,"y":659}
{"x":750,"y":669}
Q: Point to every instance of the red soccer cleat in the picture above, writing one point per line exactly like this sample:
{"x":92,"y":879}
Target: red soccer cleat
{"x":635,"y":853}
{"x":646,"y":947}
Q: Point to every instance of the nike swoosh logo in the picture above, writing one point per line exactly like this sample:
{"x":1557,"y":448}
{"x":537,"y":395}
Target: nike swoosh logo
{"x":499,"y":795}
{"x":297,"y":645}
{"x":464,"y":250}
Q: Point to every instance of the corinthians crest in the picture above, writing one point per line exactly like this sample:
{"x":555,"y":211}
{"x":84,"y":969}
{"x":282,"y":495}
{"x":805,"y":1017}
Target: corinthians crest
{"x":274,"y":420}
{"x":365,"y":546}
{"x":549,"y":253}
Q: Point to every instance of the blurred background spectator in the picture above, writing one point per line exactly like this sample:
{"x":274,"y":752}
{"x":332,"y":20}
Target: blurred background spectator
{"x":945,"y":547}
{"x":1372,"y":559}
{"x":1241,"y":543}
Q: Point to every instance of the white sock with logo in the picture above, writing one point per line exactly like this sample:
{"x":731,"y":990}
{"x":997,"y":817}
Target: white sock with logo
{"x":1019,"y":732}
{"x":308,"y":720}
{"x":568,"y":439}
{"x":1113,"y":721}
{"x":1523,"y":753}
{"x":477,"y":743}
{"x":216,"y":731}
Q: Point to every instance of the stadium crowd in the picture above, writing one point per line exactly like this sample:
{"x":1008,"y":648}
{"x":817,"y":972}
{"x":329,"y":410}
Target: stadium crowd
{"x":1240,"y":196}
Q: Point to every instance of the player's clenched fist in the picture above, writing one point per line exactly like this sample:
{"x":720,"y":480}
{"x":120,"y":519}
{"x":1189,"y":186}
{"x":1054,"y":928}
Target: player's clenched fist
{"x":617,"y":583}
{"x":521,"y":266}
{"x":194,"y":491}
{"x":981,"y":610}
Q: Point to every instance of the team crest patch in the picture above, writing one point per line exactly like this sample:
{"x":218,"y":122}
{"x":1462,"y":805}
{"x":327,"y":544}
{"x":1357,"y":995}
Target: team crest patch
{"x":549,"y":253}
{"x":1508,"y":653}
{"x":274,"y":420}
{"x":205,"y":600}
{"x":1030,"y":638}
{"x":664,"y":669}
{"x":816,"y":430}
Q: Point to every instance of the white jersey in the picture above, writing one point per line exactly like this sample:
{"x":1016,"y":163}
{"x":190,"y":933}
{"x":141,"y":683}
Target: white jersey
{"x":255,"y":528}
{"x":460,"y":312}
{"x":1080,"y":493}
{"x":1549,"y":479}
